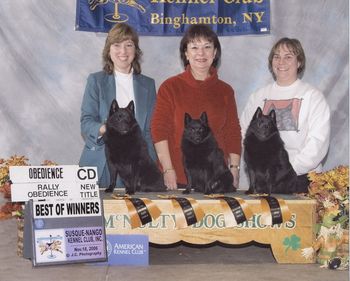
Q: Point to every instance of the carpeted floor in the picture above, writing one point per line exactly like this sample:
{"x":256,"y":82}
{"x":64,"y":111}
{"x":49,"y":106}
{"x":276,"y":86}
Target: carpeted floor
{"x":181,"y":262}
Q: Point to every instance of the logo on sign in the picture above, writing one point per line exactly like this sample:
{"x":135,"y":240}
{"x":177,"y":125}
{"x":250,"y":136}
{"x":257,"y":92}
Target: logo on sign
{"x":128,"y":249}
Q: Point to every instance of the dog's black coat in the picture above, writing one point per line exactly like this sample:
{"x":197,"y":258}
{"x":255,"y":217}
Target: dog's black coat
{"x":127,"y":153}
{"x":203,"y":160}
{"x":266,"y":159}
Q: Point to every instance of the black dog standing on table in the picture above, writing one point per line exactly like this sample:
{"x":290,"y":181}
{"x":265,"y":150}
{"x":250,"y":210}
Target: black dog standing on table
{"x":204,"y":162}
{"x":127,"y":153}
{"x":267,"y":161}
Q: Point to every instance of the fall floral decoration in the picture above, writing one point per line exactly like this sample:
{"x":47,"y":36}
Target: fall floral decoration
{"x":331,"y":191}
{"x":6,"y":163}
{"x":10,"y":209}
{"x":331,"y":188}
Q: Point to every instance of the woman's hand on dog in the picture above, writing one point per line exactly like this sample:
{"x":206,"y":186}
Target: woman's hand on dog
{"x":102,"y":130}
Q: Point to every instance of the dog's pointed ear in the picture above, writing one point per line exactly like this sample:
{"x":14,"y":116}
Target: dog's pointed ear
{"x":257,"y":113}
{"x":272,"y":114}
{"x":131,"y":107}
{"x":187,"y":118}
{"x":204,"y":118}
{"x":114,"y":107}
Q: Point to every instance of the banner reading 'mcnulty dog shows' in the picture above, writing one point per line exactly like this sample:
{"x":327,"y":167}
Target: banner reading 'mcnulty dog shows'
{"x":171,"y":17}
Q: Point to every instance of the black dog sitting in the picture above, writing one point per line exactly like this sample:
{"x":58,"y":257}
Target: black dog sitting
{"x":266,"y":159}
{"x":127,"y":153}
{"x":204,"y":162}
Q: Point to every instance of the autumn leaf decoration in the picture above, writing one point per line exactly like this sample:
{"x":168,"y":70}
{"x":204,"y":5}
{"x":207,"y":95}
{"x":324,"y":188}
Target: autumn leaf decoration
{"x":10,"y":209}
{"x":330,"y":188}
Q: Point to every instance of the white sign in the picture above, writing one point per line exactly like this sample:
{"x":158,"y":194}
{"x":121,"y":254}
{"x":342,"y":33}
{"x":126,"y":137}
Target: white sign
{"x":53,"y":182}
{"x":22,"y":192}
{"x":63,"y":232}
{"x":68,"y":173}
{"x":73,"y":208}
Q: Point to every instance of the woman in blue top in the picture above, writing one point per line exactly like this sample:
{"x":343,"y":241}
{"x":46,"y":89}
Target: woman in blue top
{"x":121,"y":79}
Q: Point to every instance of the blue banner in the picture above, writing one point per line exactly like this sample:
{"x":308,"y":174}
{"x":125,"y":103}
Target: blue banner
{"x":171,"y":17}
{"x":128,"y":249}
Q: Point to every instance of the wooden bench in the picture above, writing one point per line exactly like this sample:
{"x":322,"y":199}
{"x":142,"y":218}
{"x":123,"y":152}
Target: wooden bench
{"x":286,"y":239}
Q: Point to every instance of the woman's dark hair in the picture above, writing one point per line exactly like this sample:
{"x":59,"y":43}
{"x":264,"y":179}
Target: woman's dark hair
{"x":294,"y":46}
{"x":199,"y":31}
{"x":119,"y":33}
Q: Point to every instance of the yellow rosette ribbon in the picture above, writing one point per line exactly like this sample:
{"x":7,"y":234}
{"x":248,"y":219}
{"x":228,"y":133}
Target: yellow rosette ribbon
{"x":187,"y":210}
{"x":274,"y":211}
{"x":141,"y":210}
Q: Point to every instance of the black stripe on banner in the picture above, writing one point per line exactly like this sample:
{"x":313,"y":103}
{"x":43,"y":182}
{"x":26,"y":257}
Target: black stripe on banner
{"x":236,"y":209}
{"x":142,"y":210}
{"x":187,"y":208}
{"x":275,"y":209}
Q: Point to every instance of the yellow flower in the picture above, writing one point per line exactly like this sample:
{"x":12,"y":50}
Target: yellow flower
{"x":12,"y":161}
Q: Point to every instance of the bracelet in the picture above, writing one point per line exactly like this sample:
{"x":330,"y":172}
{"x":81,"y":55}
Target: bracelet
{"x":167,"y":170}
{"x":234,"y":166}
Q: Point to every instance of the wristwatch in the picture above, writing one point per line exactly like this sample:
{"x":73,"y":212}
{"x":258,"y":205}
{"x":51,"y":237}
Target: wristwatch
{"x":234,"y":166}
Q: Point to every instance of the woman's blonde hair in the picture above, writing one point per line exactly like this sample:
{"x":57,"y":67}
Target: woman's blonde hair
{"x":119,"y":33}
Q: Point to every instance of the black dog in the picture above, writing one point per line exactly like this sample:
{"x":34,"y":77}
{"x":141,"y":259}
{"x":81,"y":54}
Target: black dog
{"x":266,"y":159}
{"x":127,"y":153}
{"x":203,"y":160}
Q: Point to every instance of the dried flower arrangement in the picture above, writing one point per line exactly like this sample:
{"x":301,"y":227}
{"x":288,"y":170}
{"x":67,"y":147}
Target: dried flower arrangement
{"x":331,"y":192}
{"x":331,"y":188}
{"x":12,"y":209}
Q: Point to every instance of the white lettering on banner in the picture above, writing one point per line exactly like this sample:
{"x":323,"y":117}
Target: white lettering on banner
{"x":128,"y":249}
